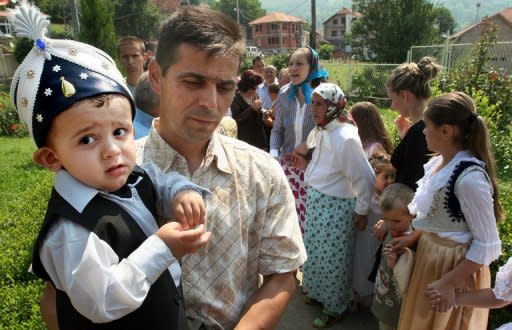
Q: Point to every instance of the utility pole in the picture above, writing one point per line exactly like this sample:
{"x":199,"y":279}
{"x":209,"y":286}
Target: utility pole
{"x":312,"y":36}
{"x":75,"y":19}
{"x":238,"y":11}
{"x":477,"y":12}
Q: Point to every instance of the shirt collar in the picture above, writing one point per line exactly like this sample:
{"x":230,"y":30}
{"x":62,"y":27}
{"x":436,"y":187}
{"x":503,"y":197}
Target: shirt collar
{"x":143,"y":118}
{"x":77,"y":194}
{"x":155,"y":145}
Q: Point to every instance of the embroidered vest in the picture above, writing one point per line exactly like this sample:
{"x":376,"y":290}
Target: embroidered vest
{"x":162,"y":308}
{"x":445,"y":214}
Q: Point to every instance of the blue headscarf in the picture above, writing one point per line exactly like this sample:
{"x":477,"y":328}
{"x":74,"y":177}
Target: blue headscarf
{"x":315,"y":72}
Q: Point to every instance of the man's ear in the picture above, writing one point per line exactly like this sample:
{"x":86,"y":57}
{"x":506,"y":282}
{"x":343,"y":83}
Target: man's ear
{"x":47,"y":157}
{"x":155,"y":73}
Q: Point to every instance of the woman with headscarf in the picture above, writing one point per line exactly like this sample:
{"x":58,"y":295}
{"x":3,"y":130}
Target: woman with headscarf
{"x":340,"y":186}
{"x":294,"y":120}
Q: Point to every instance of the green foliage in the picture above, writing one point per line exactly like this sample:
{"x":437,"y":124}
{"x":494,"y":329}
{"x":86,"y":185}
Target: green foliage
{"x":10,"y":123}
{"x":280,"y":61}
{"x":136,"y":17}
{"x":388,"y":28}
{"x":52,"y":8}
{"x":325,"y":52}
{"x":492,"y":92}
{"x":22,"y":48}
{"x":369,"y":82}
{"x":249,"y":11}
{"x":61,"y":31}
{"x":444,"y":20}
{"x":24,"y":190}
{"x":96,"y":13}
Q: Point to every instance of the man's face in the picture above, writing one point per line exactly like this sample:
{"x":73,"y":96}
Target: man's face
{"x":259,"y":67}
{"x":131,"y":57}
{"x":194,"y":94}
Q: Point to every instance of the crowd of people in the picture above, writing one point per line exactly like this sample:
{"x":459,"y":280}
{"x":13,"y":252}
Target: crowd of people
{"x":199,"y":214}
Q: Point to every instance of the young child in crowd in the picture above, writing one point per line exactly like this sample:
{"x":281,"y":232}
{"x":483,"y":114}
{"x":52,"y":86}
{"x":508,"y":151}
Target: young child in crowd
{"x":100,"y":244}
{"x":371,"y":129}
{"x":456,"y":208}
{"x":340,"y":184}
{"x":268,"y":114}
{"x":498,"y":297}
{"x":388,"y":289}
{"x":366,"y":244}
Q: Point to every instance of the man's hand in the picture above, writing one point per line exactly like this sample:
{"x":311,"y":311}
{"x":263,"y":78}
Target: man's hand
{"x":182,"y":241}
{"x":188,"y":209}
{"x":359,"y":221}
{"x":296,"y":160}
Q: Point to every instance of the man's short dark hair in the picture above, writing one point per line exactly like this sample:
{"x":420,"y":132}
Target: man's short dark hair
{"x":131,"y":39}
{"x":273,"y":88}
{"x":145,"y":98}
{"x":209,"y":30}
{"x":256,"y":59}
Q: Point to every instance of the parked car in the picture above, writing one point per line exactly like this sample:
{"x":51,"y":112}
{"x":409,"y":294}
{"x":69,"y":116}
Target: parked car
{"x":252,"y":51}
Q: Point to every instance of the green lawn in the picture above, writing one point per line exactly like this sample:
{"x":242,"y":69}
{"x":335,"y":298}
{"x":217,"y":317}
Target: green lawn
{"x":24,"y":190}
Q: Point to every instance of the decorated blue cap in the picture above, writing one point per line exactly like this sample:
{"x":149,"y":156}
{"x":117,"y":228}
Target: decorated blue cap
{"x":57,"y":73}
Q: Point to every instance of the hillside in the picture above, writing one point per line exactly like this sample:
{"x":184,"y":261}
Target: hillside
{"x":463,"y":11}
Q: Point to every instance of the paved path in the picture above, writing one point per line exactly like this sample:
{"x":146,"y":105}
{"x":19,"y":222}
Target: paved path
{"x":299,"y":316}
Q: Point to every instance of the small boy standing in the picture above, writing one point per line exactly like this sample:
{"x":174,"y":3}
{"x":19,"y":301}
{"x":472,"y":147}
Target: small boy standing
{"x":100,"y":244}
{"x":390,"y":282}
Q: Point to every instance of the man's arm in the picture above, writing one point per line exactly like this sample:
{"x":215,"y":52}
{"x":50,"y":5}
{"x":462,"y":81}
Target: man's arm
{"x":265,"y":307}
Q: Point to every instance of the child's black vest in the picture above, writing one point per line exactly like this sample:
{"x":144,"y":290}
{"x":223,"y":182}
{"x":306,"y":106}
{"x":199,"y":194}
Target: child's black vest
{"x":162,"y":308}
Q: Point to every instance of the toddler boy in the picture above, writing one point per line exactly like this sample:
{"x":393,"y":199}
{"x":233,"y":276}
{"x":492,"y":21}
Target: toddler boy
{"x":100,"y":244}
{"x":390,"y":281}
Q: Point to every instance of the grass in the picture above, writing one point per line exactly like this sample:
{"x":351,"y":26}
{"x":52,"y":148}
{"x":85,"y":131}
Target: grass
{"x":24,"y":190}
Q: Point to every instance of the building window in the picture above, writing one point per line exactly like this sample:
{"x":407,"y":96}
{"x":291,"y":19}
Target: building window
{"x":334,"y":33}
{"x":275,"y":27}
{"x":293,"y":28}
{"x":335,"y":21}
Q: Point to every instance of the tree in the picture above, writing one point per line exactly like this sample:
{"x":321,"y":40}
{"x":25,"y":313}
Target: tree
{"x":98,"y":13}
{"x":444,"y":20}
{"x":325,"y":52}
{"x":249,"y":11}
{"x":136,"y":17}
{"x":388,"y":28}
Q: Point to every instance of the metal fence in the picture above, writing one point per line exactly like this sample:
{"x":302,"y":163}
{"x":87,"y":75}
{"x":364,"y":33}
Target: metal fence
{"x":360,"y":79}
{"x":453,"y":55}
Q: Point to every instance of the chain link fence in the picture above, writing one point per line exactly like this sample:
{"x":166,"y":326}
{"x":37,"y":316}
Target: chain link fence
{"x":360,"y":80}
{"x":453,"y":55}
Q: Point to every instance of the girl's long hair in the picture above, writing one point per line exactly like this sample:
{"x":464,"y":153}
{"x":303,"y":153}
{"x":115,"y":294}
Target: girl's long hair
{"x":459,"y":109}
{"x":370,"y":125}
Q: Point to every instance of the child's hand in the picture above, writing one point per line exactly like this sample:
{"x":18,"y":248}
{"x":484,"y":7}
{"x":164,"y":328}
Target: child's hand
{"x":182,"y":241}
{"x":359,"y":221}
{"x":434,"y":295}
{"x":402,"y":125}
{"x":444,"y":294}
{"x":188,"y":209}
{"x":391,"y":257}
{"x":380,"y":230}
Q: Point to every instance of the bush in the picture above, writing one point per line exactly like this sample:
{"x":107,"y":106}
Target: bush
{"x":325,"y":52}
{"x":10,"y":124}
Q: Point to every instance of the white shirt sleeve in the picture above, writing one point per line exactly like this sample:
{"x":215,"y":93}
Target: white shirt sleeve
{"x":167,"y":185}
{"x":360,"y":173}
{"x":475,"y":196}
{"x":100,"y":286}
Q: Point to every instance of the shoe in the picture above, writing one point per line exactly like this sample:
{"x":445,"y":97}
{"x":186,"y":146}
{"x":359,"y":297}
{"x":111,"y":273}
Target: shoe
{"x":326,"y":319}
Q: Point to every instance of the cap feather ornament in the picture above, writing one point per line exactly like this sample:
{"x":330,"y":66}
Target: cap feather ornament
{"x":56,"y":74}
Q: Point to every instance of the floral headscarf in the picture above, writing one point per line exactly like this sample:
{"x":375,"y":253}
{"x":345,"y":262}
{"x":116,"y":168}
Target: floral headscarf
{"x":316,"y":71}
{"x":335,"y":98}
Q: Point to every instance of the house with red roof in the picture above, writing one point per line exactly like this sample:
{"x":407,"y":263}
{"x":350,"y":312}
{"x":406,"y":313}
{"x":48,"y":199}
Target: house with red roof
{"x":336,"y":26}
{"x":471,"y":34}
{"x":277,"y":31}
